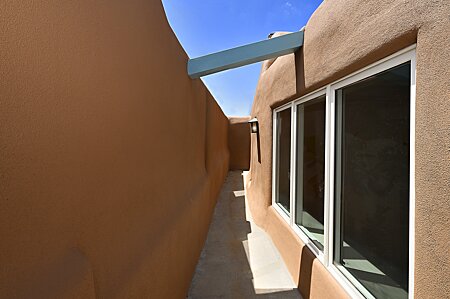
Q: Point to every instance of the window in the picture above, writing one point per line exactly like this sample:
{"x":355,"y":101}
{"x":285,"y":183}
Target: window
{"x":372,"y":181}
{"x":344,"y":176}
{"x":283,"y":170}
{"x":310,"y":163}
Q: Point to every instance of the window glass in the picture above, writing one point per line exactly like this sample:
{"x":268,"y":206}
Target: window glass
{"x":372,"y":182}
{"x":310,"y":163}
{"x":283,"y":162}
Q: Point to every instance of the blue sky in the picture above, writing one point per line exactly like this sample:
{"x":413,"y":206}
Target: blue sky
{"x":206,"y":26}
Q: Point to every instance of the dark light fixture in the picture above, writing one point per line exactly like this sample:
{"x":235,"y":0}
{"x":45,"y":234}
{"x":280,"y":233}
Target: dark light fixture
{"x":254,"y":128}
{"x":254,"y":125}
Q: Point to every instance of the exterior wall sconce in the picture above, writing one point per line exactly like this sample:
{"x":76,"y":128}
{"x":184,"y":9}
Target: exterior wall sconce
{"x":254,"y":125}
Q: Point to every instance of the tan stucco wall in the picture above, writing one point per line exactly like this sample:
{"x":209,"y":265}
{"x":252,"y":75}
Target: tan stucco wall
{"x":341,"y":37}
{"x":110,"y":156}
{"x":239,"y":143}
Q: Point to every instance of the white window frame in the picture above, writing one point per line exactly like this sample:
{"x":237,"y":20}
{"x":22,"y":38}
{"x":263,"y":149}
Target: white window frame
{"x":350,"y":284}
{"x":286,"y":216}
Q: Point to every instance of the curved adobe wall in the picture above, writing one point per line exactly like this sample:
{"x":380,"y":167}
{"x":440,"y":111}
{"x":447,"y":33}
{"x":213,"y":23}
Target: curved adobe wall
{"x":340,"y":38}
{"x":111,"y":157}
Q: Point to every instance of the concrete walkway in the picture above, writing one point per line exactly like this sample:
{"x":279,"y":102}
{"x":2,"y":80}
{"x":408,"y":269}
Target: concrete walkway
{"x":239,"y":259}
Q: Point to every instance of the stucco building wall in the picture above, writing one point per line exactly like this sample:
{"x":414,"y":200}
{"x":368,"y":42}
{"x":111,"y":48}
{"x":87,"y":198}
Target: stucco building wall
{"x":342,"y":37}
{"x":111,"y":156}
{"x":239,"y":143}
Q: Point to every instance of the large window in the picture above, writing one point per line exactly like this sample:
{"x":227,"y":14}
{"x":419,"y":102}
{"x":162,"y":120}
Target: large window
{"x":310,"y":168}
{"x":344,"y":176}
{"x":372,"y":181}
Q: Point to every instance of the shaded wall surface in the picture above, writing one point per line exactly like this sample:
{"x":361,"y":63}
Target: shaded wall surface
{"x":342,"y":37}
{"x":239,"y":143}
{"x":111,"y":157}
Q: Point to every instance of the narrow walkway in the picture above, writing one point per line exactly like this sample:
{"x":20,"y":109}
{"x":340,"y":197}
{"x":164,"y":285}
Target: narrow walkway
{"x":239,"y":259}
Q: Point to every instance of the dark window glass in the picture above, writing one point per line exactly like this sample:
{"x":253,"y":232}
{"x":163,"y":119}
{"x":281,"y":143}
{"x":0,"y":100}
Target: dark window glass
{"x":372,"y":181}
{"x":310,"y":169}
{"x":283,"y":158}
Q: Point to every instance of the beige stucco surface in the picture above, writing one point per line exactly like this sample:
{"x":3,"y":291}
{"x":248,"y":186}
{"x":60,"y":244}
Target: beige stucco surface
{"x":111,"y":157}
{"x":341,"y":37}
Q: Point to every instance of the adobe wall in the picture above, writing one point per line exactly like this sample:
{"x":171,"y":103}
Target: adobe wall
{"x":341,"y":37}
{"x":239,"y":143}
{"x":111,"y":156}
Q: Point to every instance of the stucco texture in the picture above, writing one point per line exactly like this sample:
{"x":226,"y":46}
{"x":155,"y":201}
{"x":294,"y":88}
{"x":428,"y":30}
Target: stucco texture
{"x":341,"y":37}
{"x":111,"y":156}
{"x":239,"y":143}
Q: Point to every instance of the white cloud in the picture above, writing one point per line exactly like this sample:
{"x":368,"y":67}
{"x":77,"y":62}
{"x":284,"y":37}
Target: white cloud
{"x":289,"y":8}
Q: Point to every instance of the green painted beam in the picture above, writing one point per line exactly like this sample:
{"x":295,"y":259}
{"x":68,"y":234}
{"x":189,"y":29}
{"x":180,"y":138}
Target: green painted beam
{"x":244,"y":55}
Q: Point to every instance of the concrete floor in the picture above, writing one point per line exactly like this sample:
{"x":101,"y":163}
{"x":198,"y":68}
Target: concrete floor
{"x":239,"y":259}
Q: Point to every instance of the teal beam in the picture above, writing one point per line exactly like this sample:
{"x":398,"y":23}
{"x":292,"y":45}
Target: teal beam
{"x":244,"y":55}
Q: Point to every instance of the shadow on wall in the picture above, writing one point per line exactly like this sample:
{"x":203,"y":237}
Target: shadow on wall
{"x":239,"y":260}
{"x":300,"y":71}
{"x":305,"y":272}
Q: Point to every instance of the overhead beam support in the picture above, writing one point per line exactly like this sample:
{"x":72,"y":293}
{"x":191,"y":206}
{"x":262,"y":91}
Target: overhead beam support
{"x":244,"y":55}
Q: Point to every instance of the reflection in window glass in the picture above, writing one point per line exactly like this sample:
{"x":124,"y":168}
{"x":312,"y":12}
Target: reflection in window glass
{"x":372,"y":182}
{"x":310,"y":165}
{"x":283,"y":162}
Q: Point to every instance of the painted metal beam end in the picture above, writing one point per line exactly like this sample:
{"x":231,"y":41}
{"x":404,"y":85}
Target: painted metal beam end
{"x":244,"y":55}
